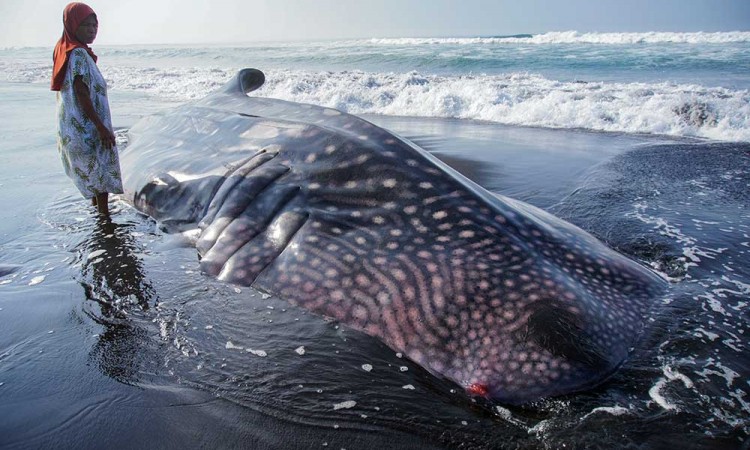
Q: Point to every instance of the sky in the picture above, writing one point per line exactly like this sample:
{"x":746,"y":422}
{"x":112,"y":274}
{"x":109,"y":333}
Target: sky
{"x":39,"y":23}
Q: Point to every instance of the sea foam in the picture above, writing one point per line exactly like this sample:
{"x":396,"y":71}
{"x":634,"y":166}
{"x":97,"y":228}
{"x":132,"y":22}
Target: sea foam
{"x":527,"y":99}
{"x":523,"y":99}
{"x":575,"y":37}
{"x":707,"y":95}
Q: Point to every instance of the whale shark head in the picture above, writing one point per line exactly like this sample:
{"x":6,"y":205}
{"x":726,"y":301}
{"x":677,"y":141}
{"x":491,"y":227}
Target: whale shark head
{"x":348,"y":220}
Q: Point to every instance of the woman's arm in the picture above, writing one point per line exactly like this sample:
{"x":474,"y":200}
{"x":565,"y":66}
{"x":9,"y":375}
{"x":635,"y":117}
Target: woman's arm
{"x":83,"y":97}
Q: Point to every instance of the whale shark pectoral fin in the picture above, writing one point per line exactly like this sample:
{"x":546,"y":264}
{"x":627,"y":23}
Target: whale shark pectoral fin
{"x":234,"y":202}
{"x":245,"y":227}
{"x":229,"y":182}
{"x":246,"y":81}
{"x":249,"y":261}
{"x":562,"y":333}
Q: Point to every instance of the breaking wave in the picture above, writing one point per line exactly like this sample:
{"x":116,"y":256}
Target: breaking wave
{"x":515,"y":99}
{"x":575,"y":37}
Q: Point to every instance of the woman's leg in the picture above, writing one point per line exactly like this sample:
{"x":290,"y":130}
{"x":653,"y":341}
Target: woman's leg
{"x":102,"y":204}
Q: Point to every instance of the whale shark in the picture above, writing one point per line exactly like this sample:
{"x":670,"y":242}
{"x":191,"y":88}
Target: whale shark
{"x":352,"y":222}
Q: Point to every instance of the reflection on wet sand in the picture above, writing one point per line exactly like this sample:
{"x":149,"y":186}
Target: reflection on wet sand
{"x":114,"y":282}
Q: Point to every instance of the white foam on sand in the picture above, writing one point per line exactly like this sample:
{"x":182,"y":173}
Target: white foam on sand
{"x":656,"y":395}
{"x":95,"y":253}
{"x":260,"y":353}
{"x":507,"y":415}
{"x":230,"y":346}
{"x":345,"y":405}
{"x":36,"y":280}
{"x":716,"y":368}
{"x":670,"y":375}
{"x":692,"y":252}
{"x":612,"y":410}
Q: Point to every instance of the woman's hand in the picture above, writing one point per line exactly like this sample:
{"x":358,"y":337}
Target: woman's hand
{"x":106,"y":136}
{"x":81,"y":91}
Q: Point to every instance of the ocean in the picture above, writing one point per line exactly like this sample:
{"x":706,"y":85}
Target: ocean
{"x":111,"y":335}
{"x":679,"y":84}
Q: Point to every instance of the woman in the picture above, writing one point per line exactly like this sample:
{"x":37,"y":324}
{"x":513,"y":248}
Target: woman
{"x":85,"y":138}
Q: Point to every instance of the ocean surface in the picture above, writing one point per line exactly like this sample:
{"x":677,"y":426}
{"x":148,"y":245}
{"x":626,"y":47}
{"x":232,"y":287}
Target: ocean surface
{"x":680,"y":84}
{"x":111,"y":336}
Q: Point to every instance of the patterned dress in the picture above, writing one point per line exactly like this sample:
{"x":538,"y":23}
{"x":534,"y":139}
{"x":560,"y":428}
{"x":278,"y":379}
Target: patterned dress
{"x":92,"y":167}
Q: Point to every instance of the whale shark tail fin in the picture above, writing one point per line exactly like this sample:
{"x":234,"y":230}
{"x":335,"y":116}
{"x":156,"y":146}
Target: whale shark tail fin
{"x":246,"y":81}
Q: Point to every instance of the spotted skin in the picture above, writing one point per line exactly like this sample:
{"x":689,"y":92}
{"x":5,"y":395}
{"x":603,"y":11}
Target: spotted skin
{"x":349,"y":221}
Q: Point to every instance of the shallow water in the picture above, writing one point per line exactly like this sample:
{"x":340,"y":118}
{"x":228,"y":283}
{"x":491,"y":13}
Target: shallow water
{"x":111,"y":336}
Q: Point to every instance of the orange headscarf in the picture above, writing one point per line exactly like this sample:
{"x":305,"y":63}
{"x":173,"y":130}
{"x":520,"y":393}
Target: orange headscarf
{"x":73,"y":15}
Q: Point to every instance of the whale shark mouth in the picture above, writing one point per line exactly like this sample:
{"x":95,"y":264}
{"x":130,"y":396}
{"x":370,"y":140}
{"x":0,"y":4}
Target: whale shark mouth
{"x":248,"y":222}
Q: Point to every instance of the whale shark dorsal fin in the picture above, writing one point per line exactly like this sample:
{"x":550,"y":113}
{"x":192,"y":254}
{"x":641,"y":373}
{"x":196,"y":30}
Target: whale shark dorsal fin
{"x":246,"y":81}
